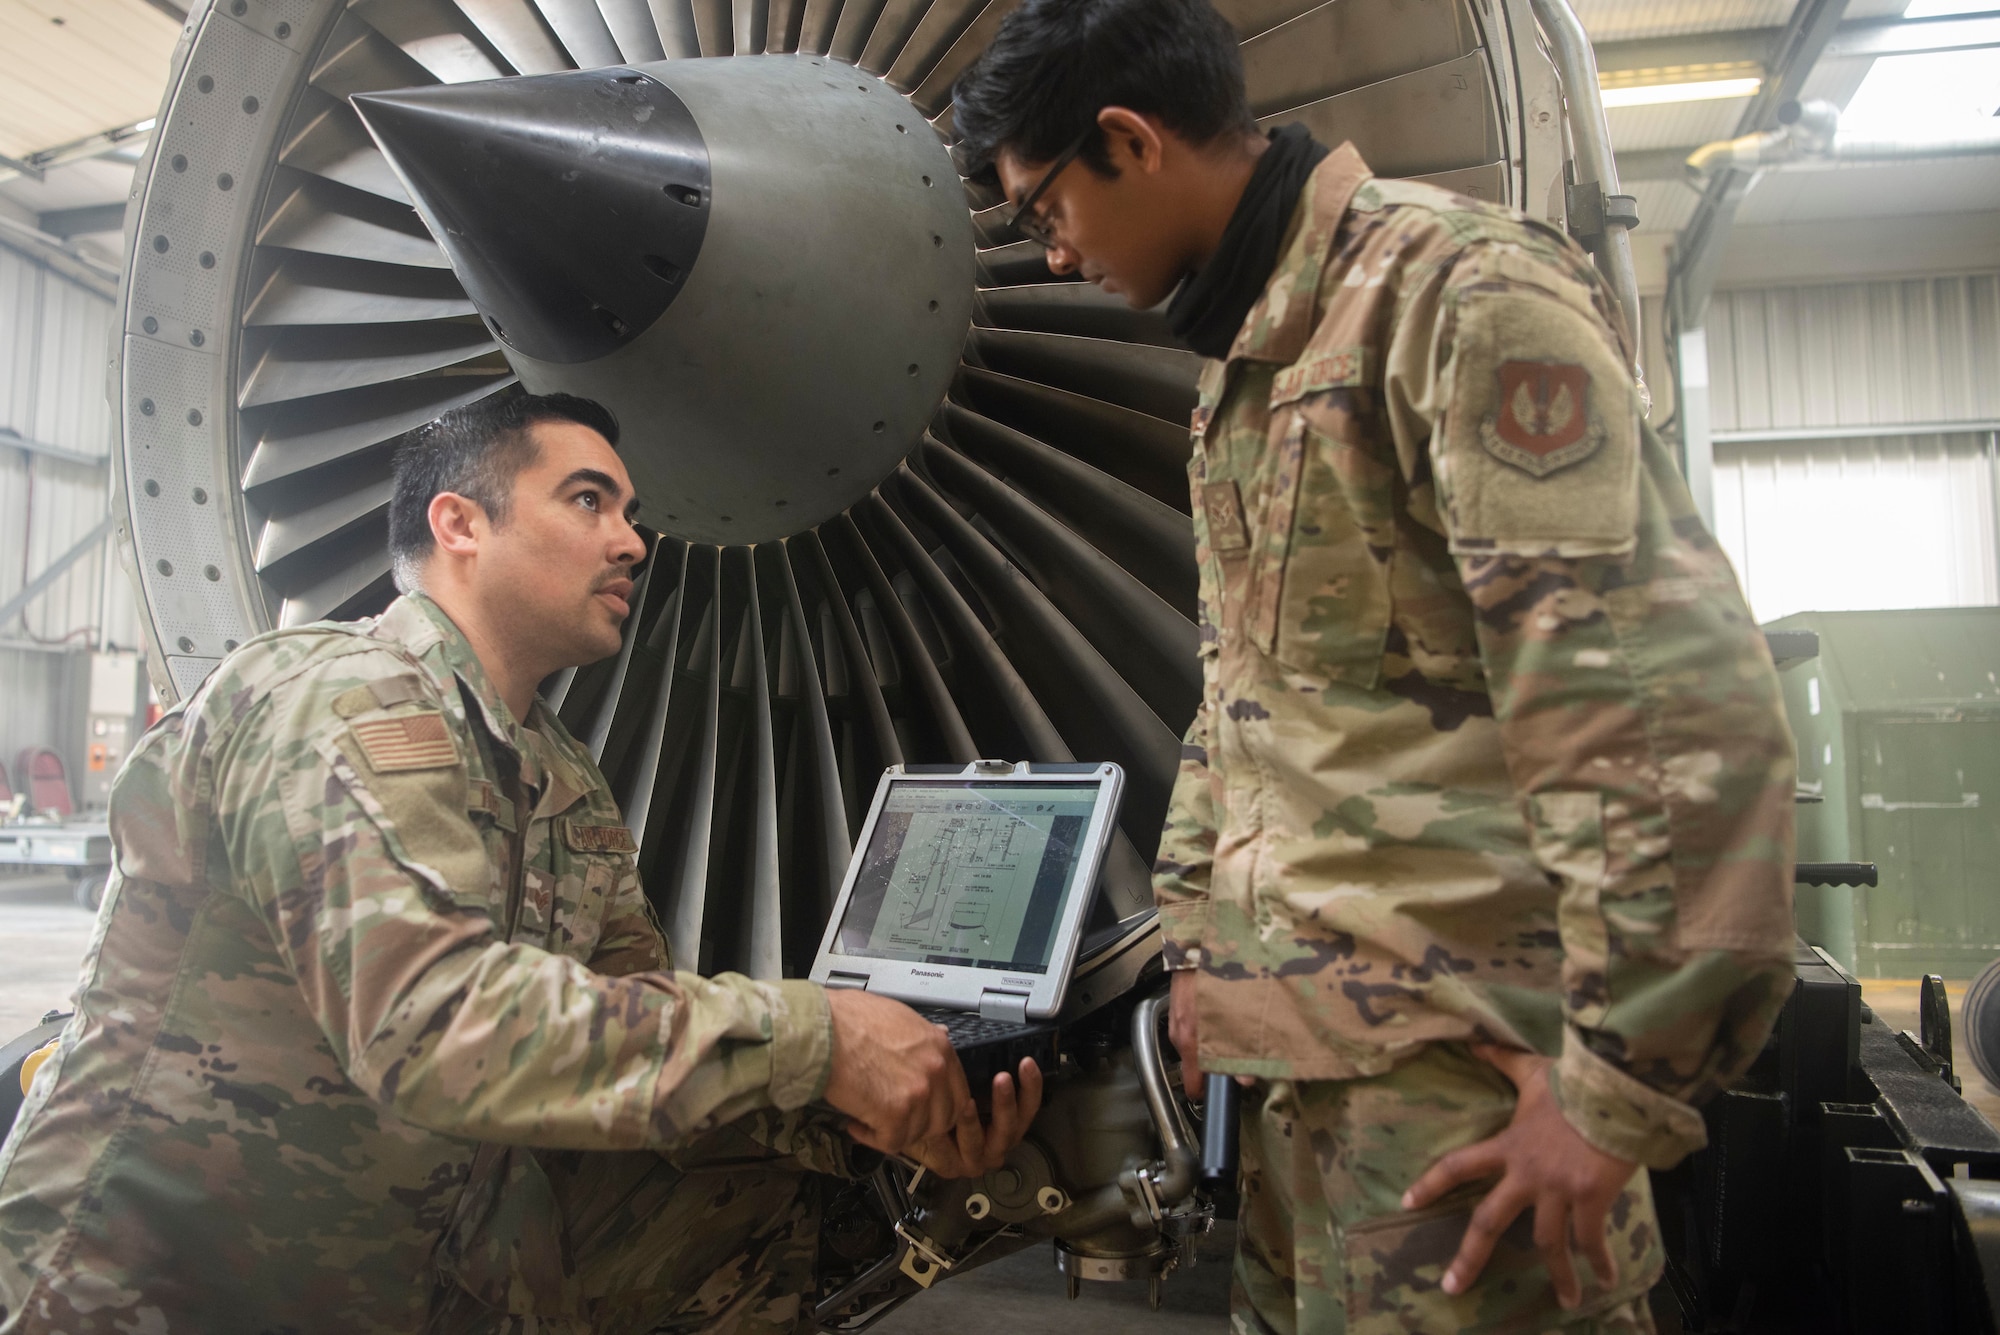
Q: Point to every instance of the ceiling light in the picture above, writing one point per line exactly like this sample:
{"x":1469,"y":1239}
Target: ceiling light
{"x":1647,"y":95}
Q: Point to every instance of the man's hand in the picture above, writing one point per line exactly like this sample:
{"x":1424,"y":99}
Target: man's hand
{"x":894,"y":1072}
{"x":974,"y":1150}
{"x":1542,"y":1163}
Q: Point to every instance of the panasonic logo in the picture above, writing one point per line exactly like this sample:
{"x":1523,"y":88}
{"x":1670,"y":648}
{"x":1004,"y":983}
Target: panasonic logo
{"x":927,"y":973}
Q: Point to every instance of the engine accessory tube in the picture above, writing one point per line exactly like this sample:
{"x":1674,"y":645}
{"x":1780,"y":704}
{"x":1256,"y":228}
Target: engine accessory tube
{"x":1218,"y":1131}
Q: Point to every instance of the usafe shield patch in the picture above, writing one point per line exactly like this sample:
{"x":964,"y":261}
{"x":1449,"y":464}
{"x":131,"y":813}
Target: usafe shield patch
{"x":1543,"y":421}
{"x":407,"y":741}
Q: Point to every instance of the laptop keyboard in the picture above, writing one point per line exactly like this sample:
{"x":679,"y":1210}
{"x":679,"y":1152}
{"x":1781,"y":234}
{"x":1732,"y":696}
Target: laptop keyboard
{"x":969,"y":1027}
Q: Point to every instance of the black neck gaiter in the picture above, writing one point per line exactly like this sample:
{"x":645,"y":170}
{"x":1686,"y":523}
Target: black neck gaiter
{"x":1209,"y":307}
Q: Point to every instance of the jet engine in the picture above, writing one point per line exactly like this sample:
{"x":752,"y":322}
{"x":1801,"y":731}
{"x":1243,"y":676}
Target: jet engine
{"x":917,"y":500}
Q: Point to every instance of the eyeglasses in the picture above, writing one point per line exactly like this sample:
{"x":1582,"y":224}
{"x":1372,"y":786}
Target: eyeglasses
{"x":1024,"y":220}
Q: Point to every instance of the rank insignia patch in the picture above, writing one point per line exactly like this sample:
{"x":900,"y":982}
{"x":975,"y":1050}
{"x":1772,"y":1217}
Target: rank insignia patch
{"x":1544,"y":419}
{"x":408,"y":741}
{"x":1223,"y":504}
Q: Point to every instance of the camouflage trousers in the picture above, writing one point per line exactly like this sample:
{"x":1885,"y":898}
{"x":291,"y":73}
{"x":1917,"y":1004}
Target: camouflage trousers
{"x":1324,"y":1246}
{"x":720,"y":1237}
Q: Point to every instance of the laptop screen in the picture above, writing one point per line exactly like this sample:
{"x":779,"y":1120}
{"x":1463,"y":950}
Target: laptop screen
{"x":972,"y":873}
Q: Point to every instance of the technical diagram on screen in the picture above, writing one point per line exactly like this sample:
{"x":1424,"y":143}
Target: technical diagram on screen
{"x":968,"y":891}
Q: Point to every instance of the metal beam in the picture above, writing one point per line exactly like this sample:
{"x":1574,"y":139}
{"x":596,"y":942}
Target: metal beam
{"x":1813,"y":24}
{"x":1911,"y":37}
{"x":60,"y":257}
{"x":1732,"y":47}
{"x":11,"y":167}
{"x":37,"y":164}
{"x":9,"y":436}
{"x":66,"y":223}
{"x":1855,"y":38}
{"x":1776,"y":435}
{"x":1698,"y":246}
{"x":1669,"y":164}
{"x":14,"y":606}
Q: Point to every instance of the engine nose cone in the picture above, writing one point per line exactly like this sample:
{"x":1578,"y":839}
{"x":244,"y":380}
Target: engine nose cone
{"x":763,"y":266}
{"x":572,"y":206}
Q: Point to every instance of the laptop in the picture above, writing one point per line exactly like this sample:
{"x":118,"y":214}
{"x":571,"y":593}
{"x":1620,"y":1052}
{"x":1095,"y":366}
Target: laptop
{"x":966,"y":898}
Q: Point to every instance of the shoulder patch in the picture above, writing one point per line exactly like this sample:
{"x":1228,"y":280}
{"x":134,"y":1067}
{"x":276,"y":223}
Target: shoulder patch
{"x":587,"y":838}
{"x":1538,"y":451}
{"x":417,"y":740}
{"x":1543,"y":420}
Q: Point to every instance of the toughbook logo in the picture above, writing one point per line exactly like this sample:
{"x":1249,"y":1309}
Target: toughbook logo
{"x":927,"y":973}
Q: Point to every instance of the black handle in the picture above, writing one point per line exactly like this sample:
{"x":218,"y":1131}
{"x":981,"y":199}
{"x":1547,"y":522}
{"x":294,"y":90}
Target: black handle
{"x":1218,"y":1131}
{"x":1835,"y":873}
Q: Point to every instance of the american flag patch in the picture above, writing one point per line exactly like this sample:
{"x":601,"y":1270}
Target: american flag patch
{"x":409,"y":741}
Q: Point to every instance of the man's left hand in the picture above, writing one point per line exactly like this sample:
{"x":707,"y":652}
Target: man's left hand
{"x":972,"y":1148}
{"x":1542,"y":1163}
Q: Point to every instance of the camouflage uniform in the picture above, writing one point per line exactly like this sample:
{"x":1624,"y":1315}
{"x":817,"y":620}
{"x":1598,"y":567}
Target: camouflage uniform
{"x":373,"y":964}
{"x":1490,"y":750}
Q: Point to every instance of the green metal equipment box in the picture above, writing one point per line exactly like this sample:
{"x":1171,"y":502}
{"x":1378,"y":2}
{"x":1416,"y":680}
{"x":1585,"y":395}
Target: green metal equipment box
{"x":1898,"y":724}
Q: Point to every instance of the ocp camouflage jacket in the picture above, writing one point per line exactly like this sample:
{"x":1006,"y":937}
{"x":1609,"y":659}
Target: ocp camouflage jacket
{"x":1490,"y":747}
{"x":365,"y":932}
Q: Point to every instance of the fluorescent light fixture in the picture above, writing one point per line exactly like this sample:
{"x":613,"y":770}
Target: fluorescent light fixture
{"x":1707,"y":90}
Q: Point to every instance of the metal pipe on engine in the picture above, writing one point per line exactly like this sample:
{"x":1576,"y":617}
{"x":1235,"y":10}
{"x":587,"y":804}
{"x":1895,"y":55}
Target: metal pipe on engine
{"x":1576,"y":61}
{"x":1145,"y":1192}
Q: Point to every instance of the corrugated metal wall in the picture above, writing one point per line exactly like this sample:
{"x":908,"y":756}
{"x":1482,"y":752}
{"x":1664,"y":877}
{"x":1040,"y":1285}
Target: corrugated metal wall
{"x":54,"y":347}
{"x":1865,"y":524}
{"x":1854,"y":355}
{"x":54,"y":344}
{"x":1855,"y":442}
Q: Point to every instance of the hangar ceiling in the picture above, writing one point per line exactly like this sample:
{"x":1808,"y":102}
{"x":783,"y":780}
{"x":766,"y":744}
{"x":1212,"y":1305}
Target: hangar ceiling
{"x":112,"y":55}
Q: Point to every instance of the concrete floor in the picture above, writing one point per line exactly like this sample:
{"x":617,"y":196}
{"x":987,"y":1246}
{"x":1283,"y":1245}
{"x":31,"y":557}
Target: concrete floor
{"x":43,"y":936}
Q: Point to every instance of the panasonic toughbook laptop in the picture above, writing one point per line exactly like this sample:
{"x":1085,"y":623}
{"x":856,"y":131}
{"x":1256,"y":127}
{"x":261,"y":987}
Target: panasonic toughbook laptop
{"x":967,"y":893}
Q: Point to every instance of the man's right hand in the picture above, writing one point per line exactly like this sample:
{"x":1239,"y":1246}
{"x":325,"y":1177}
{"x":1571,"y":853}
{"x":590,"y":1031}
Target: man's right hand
{"x":894,"y":1072}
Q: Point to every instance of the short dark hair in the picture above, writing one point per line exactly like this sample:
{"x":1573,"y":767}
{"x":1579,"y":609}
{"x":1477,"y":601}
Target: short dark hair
{"x":1056,"y":63}
{"x":476,"y":452}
